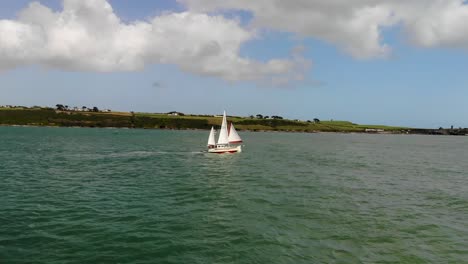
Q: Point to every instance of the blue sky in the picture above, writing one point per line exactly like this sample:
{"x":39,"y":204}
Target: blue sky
{"x":415,"y":85}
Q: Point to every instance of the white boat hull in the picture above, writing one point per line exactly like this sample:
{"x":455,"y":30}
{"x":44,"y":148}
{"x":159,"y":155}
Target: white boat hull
{"x":227,"y":149}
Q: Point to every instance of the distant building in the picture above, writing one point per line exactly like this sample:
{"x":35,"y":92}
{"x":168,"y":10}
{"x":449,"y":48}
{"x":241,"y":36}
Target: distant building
{"x":374,"y":130}
{"x":175,"y":113}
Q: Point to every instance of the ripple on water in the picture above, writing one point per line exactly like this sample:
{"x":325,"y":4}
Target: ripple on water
{"x":144,"y":196}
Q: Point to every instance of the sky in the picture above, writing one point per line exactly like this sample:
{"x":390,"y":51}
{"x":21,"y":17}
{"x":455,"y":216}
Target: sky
{"x":367,"y":61}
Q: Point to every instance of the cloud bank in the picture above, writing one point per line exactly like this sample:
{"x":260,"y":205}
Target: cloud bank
{"x":88,"y":36}
{"x":355,"y":26}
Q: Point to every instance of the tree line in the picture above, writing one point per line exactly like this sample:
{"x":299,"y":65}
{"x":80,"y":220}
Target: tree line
{"x":260,"y":116}
{"x":62,"y":107}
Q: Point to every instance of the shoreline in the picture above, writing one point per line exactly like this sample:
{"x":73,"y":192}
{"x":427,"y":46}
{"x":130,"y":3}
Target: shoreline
{"x":240,"y":130}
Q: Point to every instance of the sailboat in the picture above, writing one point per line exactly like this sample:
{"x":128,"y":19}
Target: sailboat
{"x":228,"y":139}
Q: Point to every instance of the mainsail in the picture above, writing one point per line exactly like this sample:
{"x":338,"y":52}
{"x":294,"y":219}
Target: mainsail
{"x":233,"y":136}
{"x":211,"y":138}
{"x":223,"y":133}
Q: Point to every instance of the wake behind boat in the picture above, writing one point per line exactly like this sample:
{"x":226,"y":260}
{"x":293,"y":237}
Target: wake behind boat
{"x":228,"y":139}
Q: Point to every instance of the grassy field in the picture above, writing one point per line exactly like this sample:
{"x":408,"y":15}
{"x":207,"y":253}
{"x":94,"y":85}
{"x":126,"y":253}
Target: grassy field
{"x":51,"y":117}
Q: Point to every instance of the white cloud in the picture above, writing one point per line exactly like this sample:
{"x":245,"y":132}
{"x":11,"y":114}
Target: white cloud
{"x":88,"y":36}
{"x":355,"y":26}
{"x":437,"y":23}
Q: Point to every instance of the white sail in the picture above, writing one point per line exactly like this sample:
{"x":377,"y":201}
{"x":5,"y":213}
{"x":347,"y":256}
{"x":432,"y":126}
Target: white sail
{"x":223,"y":133}
{"x":233,"y":136}
{"x":211,"y":138}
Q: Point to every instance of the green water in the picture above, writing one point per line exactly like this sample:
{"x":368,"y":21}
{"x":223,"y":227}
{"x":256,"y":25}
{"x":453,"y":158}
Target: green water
{"x":70,"y":195}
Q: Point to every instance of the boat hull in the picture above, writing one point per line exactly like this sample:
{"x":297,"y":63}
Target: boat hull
{"x":225,"y":150}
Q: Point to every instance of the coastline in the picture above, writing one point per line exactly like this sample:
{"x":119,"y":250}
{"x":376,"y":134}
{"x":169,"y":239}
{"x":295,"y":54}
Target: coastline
{"x":242,"y":130}
{"x":48,"y":117}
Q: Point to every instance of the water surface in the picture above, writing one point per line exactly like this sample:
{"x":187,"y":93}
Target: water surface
{"x":71,"y":195}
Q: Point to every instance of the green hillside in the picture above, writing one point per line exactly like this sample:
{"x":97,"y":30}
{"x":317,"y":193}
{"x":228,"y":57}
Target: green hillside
{"x":52,"y":117}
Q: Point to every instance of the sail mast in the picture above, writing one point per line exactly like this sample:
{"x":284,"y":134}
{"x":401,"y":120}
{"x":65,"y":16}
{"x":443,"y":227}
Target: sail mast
{"x":223,"y":133}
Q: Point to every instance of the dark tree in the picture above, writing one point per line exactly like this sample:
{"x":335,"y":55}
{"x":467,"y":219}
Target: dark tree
{"x":266,"y":117}
{"x":60,"y":107}
{"x":95,"y":109}
{"x":259,"y":116}
{"x":316,"y":120}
